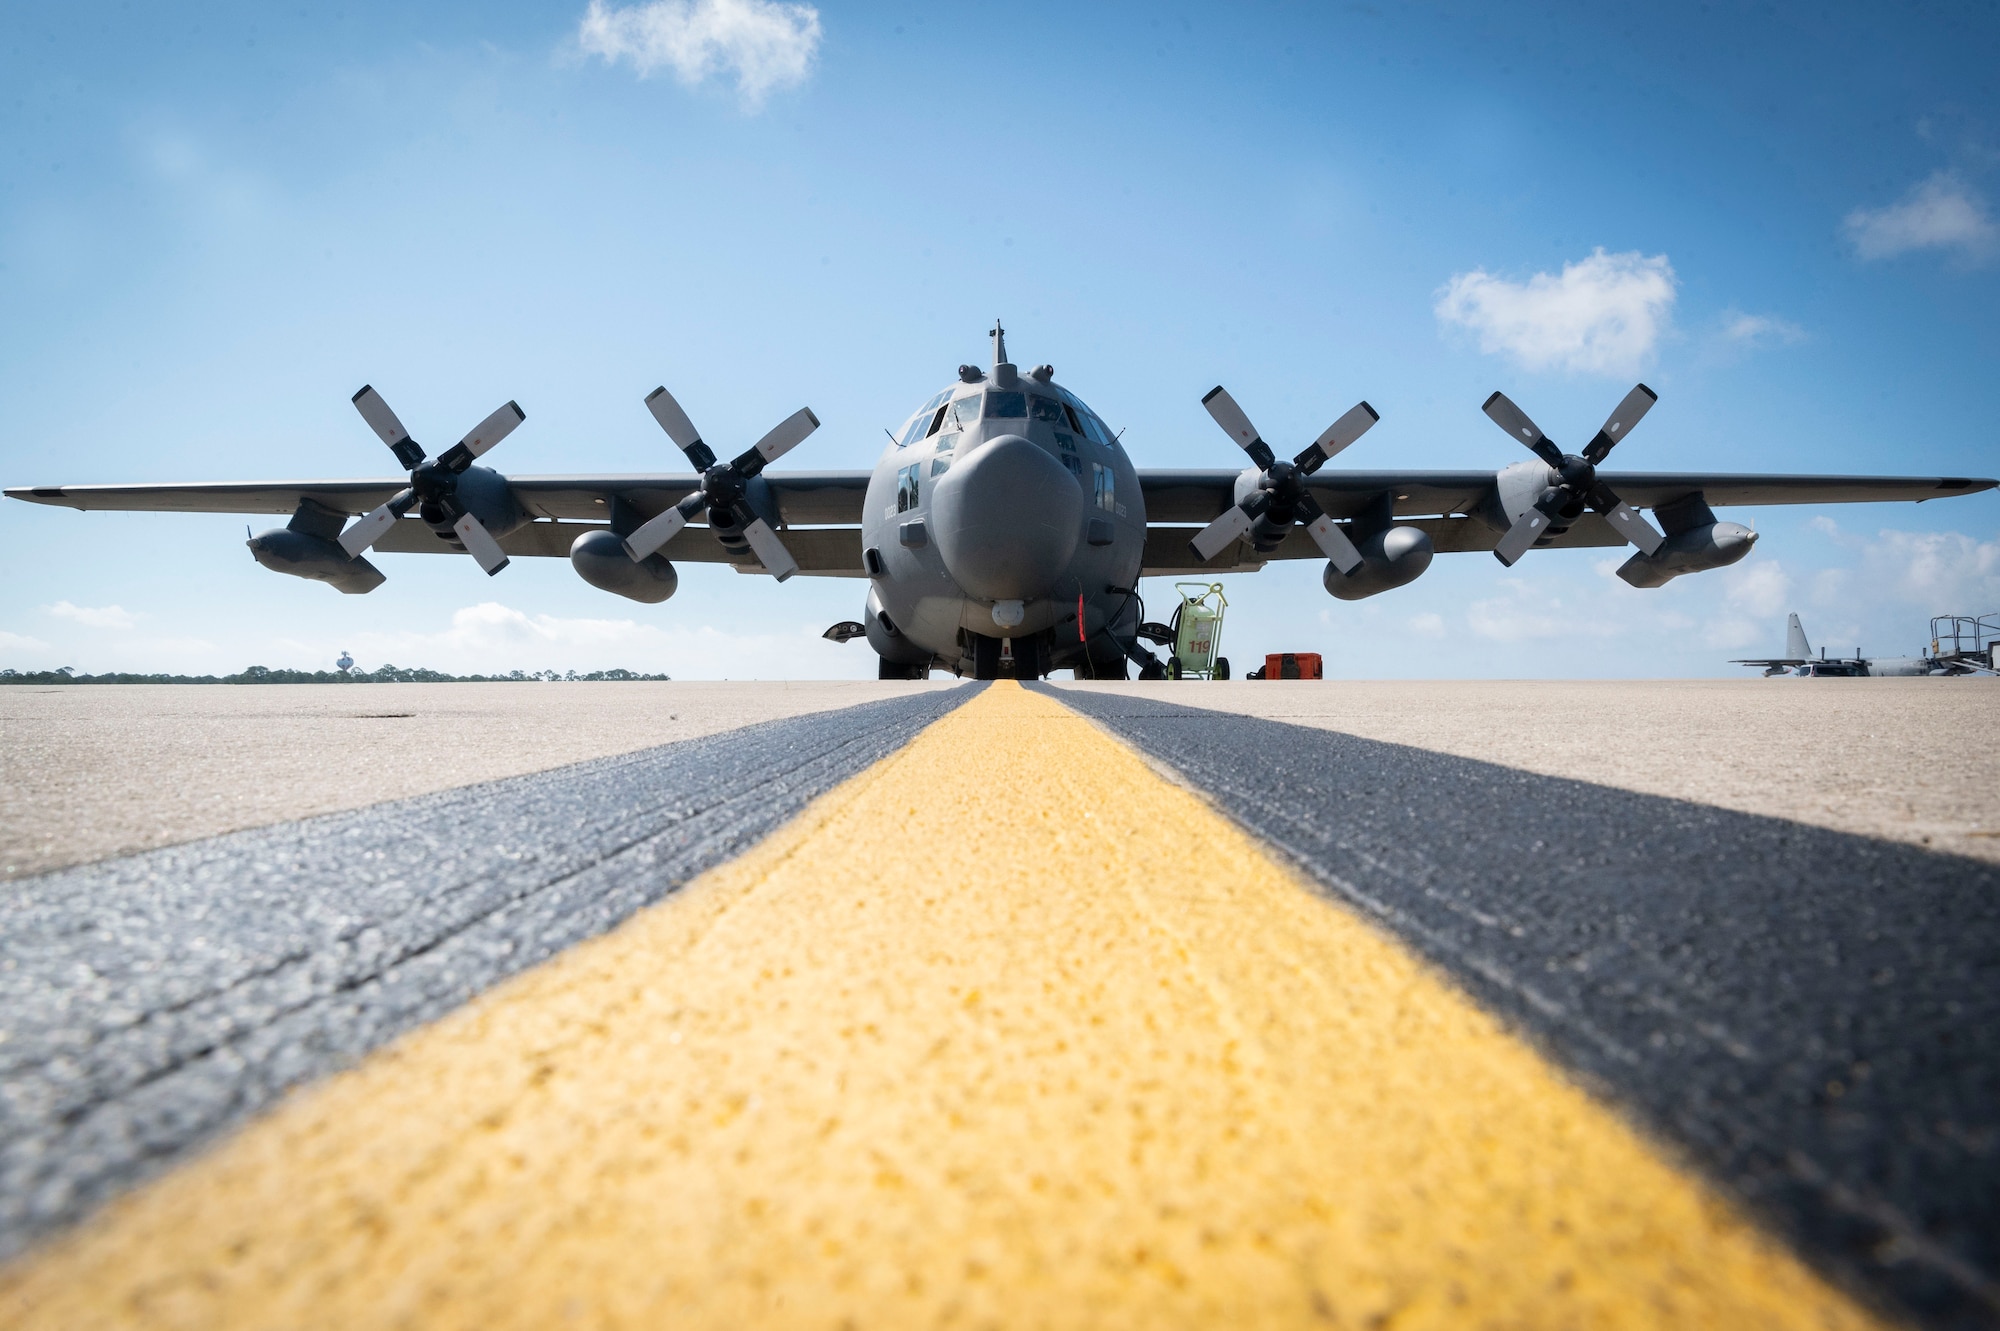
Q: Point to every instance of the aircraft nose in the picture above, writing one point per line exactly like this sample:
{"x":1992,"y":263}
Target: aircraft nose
{"x":1007,"y":518}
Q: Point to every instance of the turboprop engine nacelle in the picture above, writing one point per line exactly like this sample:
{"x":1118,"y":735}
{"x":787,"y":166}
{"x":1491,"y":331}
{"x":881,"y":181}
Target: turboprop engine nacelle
{"x":1694,"y":550}
{"x":303,"y":555}
{"x":1392,"y":558}
{"x":599,"y":559}
{"x":307,"y":547}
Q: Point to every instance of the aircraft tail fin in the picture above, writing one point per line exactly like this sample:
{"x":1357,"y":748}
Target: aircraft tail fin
{"x":1796,"y":646}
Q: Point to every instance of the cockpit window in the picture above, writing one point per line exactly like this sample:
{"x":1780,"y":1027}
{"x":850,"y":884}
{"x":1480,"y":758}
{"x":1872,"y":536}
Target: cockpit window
{"x":1074,"y":423}
{"x":918,"y":426}
{"x":966,"y":410}
{"x":937,"y":419}
{"x":1006,"y":406}
{"x":1045,"y":409}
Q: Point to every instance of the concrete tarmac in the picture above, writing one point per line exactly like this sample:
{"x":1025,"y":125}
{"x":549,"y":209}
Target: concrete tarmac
{"x":152,"y":1001}
{"x":1810,"y":1016}
{"x":91,"y":771}
{"x":1005,"y":1031}
{"x":1216,"y":1097}
{"x":1912,"y":760}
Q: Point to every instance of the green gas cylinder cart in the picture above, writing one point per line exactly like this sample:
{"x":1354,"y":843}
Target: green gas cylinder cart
{"x":1198,"y":632}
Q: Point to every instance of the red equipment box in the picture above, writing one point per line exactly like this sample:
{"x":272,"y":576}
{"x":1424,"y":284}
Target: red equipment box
{"x":1291,"y":665}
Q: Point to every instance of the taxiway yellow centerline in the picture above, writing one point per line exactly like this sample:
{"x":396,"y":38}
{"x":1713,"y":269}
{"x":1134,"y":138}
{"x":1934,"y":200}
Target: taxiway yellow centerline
{"x":1006,"y":1031}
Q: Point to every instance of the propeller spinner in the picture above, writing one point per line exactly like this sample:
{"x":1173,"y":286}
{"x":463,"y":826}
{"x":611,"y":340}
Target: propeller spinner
{"x":724,"y":491}
{"x":1281,"y":498}
{"x":433,"y":482}
{"x":1573,"y":483}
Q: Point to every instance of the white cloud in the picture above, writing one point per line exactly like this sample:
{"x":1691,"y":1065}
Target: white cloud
{"x":100,"y":617}
{"x":1536,"y":610}
{"x":1759,"y":330}
{"x":1758,"y":587}
{"x":491,"y":638}
{"x":766,"y":45}
{"x":1427,"y":625}
{"x":1601,"y":315}
{"x":20,"y":642}
{"x":1942,"y":213}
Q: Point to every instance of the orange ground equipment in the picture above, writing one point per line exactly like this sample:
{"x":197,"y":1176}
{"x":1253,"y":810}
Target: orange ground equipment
{"x":1289,"y":665}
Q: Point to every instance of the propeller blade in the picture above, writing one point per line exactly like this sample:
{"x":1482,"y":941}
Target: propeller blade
{"x":1333,"y":543}
{"x":656,"y":531}
{"x":1238,"y":427}
{"x":1520,"y":536}
{"x":679,"y":428}
{"x":1636,"y":404}
{"x":367,"y":530}
{"x":484,"y":435}
{"x":384,"y":423}
{"x":771,"y":551}
{"x":1216,"y":537}
{"x":1625,"y":520}
{"x":1339,"y":435}
{"x":479,"y":543}
{"x":1501,"y":410}
{"x":786,"y":435}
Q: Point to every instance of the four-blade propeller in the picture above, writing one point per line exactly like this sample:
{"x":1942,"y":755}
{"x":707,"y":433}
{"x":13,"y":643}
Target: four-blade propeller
{"x":1574,"y":483}
{"x":1281,"y":498}
{"x":433,"y":487}
{"x":724,"y":488}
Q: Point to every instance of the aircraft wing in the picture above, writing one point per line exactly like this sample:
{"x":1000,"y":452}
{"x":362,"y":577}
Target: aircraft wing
{"x":807,"y":498}
{"x":1443,"y":504}
{"x":821,"y":510}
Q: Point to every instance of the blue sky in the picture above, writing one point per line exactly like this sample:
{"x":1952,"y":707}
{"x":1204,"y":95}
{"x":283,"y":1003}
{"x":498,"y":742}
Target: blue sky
{"x":218,"y":221}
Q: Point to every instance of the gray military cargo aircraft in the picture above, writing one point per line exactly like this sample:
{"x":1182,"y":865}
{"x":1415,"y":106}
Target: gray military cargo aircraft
{"x":1004,"y":531}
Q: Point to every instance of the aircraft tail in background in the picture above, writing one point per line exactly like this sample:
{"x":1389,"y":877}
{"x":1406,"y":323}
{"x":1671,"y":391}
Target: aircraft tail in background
{"x":1796,"y":645}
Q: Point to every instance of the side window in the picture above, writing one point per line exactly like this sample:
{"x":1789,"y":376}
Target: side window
{"x":906,"y":488}
{"x":941,"y":464}
{"x":937,"y":419}
{"x":1006,"y":406}
{"x":1074,"y":423}
{"x":1074,"y":463}
{"x":965,"y":411}
{"x":1102,"y":486}
{"x":1045,"y":409}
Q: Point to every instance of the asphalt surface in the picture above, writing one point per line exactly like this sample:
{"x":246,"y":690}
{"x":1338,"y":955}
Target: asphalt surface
{"x":1007,"y":1030}
{"x":149,"y":1003}
{"x":96,"y":770}
{"x":1811,"y":1017}
{"x":1912,"y":760}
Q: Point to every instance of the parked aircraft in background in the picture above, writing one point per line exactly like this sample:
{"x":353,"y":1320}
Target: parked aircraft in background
{"x":1004,"y":530}
{"x":1799,"y":658}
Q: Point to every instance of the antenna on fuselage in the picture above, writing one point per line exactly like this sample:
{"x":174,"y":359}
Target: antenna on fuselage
{"x":1004,"y":373}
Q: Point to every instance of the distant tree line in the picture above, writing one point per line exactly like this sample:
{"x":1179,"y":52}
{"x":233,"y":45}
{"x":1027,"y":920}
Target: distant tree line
{"x":387,"y":674}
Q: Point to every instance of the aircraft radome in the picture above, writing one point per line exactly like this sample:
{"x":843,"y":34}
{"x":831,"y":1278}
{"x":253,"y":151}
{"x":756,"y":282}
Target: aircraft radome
{"x":1005,"y":530}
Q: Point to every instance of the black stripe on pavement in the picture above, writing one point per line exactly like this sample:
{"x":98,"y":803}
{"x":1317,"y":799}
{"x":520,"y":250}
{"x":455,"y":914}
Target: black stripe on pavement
{"x":1812,"y":1017}
{"x":154,"y":1001}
